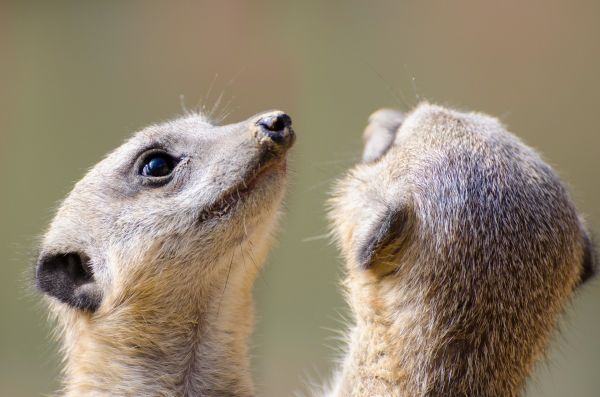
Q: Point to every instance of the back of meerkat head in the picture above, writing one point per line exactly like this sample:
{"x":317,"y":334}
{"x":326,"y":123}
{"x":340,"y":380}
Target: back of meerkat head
{"x":157,"y":221}
{"x":463,"y":244}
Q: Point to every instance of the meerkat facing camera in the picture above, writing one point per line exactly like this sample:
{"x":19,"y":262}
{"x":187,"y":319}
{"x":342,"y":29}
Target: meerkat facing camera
{"x":149,"y":262}
{"x":462,"y":248}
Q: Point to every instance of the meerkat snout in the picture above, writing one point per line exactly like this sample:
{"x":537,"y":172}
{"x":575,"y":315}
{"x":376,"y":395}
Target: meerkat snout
{"x":150,"y":260}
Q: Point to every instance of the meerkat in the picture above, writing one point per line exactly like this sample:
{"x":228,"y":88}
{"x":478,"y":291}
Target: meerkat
{"x":462,"y":248}
{"x":149,"y":263}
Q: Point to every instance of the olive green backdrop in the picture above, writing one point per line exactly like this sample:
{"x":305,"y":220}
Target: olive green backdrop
{"x":76,"y":78}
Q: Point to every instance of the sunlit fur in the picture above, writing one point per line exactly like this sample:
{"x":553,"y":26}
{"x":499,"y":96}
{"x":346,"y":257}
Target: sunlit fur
{"x":176,"y":280}
{"x":463,"y":296}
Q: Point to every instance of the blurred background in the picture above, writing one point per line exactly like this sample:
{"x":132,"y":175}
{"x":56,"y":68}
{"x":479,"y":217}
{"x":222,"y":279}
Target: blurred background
{"x":77,"y":78}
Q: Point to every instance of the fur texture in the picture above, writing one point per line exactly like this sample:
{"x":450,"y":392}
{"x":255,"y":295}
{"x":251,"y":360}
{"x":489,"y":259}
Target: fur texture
{"x":462,"y":248}
{"x":172,"y":265}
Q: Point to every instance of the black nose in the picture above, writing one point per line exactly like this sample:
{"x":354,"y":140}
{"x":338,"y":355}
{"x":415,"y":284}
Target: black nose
{"x":275,"y":122}
{"x":277,"y":127}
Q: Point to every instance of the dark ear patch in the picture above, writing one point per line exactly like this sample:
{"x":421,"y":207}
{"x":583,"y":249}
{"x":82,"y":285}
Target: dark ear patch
{"x":392,"y":227}
{"x":590,"y":260}
{"x":68,"y":278}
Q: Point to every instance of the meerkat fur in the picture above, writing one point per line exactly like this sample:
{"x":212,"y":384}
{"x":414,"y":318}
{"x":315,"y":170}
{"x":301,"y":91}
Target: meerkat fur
{"x":150,"y":277}
{"x":462,"y":248}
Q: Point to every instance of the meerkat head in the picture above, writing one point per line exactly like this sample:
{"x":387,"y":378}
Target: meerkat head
{"x":165,"y":208}
{"x":465,"y":180}
{"x":455,"y":231}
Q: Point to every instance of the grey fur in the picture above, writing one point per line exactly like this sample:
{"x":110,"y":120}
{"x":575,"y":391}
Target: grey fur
{"x":462,"y":298}
{"x":174,"y":262}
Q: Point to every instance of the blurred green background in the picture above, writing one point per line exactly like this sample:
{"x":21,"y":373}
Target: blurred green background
{"x":76,"y":78}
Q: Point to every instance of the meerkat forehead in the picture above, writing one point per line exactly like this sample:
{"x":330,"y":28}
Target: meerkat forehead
{"x":440,"y":179}
{"x":184,"y":190}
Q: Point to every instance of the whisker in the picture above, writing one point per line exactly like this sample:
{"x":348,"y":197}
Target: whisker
{"x":315,"y":238}
{"x":226,"y":282}
{"x":246,"y":236}
{"x":216,"y":104}
{"x":224,"y":114}
{"x":251,"y":253}
{"x":207,"y":95}
{"x":226,"y":111}
{"x":236,"y":76}
{"x":401,"y":100}
{"x":413,"y":81}
{"x":182,"y":104}
{"x":353,"y":158}
{"x":243,"y":257}
{"x":322,"y":183}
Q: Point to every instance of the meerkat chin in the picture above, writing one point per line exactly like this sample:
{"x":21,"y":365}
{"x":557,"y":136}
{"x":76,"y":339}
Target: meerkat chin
{"x":462,"y":248}
{"x":149,"y":263}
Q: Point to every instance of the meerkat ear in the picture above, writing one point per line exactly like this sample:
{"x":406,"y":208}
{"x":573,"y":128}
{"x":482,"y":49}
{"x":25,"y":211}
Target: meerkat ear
{"x":379,"y":135}
{"x":384,"y":239}
{"x":68,"y":277}
{"x":590,"y":260}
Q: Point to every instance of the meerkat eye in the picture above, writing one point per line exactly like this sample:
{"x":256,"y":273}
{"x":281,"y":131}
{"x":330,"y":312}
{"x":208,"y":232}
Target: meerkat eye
{"x":157,"y":165}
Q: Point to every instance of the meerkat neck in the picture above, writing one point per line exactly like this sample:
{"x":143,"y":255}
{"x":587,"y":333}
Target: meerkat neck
{"x":408,"y":346}
{"x":183,"y":340}
{"x":372,"y":363}
{"x":369,"y":366}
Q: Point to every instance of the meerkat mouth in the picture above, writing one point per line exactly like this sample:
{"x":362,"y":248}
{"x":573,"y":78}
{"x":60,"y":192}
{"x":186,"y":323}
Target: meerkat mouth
{"x":238,"y":193}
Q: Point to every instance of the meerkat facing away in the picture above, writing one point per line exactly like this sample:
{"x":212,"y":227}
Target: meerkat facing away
{"x":149,"y":262}
{"x":462,"y":248}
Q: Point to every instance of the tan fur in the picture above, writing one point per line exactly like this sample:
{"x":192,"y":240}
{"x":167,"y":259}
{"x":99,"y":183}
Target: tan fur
{"x":460,"y":294}
{"x":176,"y":280}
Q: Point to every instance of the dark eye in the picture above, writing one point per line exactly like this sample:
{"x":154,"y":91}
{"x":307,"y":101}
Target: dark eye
{"x":157,"y":165}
